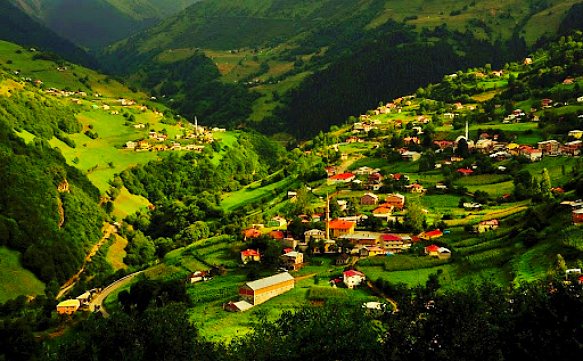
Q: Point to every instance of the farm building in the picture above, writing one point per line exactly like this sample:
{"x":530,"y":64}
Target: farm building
{"x":396,"y":200}
{"x":240,"y":306}
{"x":436,"y":251}
{"x":431,"y":235}
{"x":353,"y":278}
{"x":259,"y":291}
{"x":68,"y":307}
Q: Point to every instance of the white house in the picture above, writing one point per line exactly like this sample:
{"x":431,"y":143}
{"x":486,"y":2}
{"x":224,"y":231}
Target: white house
{"x":353,"y":278}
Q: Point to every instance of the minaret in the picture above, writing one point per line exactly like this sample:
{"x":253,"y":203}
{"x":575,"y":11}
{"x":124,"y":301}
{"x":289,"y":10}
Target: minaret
{"x":467,"y":131}
{"x":195,"y":124}
{"x":327,"y":216}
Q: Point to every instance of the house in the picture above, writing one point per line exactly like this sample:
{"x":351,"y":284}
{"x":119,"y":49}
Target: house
{"x":411,"y":156}
{"x":353,"y":278}
{"x":396,"y":200}
{"x":577,"y":216}
{"x":394,"y":243}
{"x":531,"y":153}
{"x":436,"y":251}
{"x":330,"y":170}
{"x":577,"y":134}
{"x":342,"y":178}
{"x":383,"y":212}
{"x":131,"y":145}
{"x":366,"y":170}
{"x":340,"y":227}
{"x":490,"y":225}
{"x":251,"y":233}
{"x":240,"y":306}
{"x":471,"y":205}
{"x":68,"y":307}
{"x":444,"y":144}
{"x":369,"y":199}
{"x":580,"y":99}
{"x":143,"y":144}
{"x":259,"y":291}
{"x":197,"y":276}
{"x":416,"y":188}
{"x":277,"y":235}
{"x":375,"y":251}
{"x":293,"y":260}
{"x":431,"y":235}
{"x":465,"y":171}
{"x":250,"y":255}
{"x":549,"y":147}
{"x":527,"y":61}
{"x":85,"y":298}
{"x":546,"y":103}
{"x":314,"y":234}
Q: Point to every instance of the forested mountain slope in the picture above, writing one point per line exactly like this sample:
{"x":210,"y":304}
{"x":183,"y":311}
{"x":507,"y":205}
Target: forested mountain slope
{"x":16,"y":26}
{"x":294,"y":55}
{"x":95,"y":23}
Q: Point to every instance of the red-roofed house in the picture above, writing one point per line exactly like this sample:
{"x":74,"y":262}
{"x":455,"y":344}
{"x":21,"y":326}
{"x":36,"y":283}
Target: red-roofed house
{"x":342,"y":178}
{"x":396,"y":200}
{"x":431,"y":235}
{"x":340,"y":227}
{"x":353,"y":278}
{"x":490,"y":225}
{"x":465,"y":171}
{"x":250,"y":255}
{"x":277,"y":235}
{"x":436,"y":251}
{"x":251,"y":233}
{"x":392,"y":242}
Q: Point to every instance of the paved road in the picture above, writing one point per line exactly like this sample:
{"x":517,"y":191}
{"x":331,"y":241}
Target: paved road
{"x":97,"y":302}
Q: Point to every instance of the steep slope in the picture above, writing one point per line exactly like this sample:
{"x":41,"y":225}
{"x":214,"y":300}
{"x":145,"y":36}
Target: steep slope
{"x":18,"y":27}
{"x":272,"y":47}
{"x":95,"y":23}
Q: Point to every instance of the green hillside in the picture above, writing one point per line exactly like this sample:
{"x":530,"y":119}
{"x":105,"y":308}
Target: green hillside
{"x":287,"y":52}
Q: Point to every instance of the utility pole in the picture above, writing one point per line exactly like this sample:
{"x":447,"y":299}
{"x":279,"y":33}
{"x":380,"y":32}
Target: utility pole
{"x":327,"y":216}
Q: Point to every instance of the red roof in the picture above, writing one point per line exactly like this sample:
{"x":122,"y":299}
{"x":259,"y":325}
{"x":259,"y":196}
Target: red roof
{"x":342,"y":176}
{"x":252,"y":233}
{"x":432,"y":248}
{"x":250,"y":253}
{"x":276,"y":235}
{"x":340,"y":224}
{"x":397,"y":176}
{"x":465,"y":171}
{"x":434,"y":233}
{"x":391,"y":237}
{"x":287,"y":250}
{"x":352,"y":273}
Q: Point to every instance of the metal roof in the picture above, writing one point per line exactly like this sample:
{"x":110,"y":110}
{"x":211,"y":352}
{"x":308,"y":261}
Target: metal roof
{"x":269,"y":281}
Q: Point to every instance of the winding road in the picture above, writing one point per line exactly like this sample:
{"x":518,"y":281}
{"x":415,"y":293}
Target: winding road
{"x":97,"y":302}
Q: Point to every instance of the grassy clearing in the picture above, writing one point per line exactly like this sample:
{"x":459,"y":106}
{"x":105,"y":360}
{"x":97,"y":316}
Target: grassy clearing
{"x":116,"y":253}
{"x":246,"y":196}
{"x":14,"y":279}
{"x":127,"y":203}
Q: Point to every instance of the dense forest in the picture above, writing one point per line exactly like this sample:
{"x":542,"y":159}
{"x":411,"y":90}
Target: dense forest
{"x":51,"y":228}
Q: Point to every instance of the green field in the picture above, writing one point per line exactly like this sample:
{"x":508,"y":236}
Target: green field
{"x":252,"y":194}
{"x":14,"y":279}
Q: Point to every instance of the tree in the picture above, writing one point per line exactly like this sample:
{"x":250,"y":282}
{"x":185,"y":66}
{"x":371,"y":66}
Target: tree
{"x":414,"y":218}
{"x":545,"y":185}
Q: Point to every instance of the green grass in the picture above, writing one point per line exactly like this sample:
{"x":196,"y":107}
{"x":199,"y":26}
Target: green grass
{"x":116,"y":253}
{"x":14,"y":279}
{"x":246,"y":196}
{"x":127,"y":203}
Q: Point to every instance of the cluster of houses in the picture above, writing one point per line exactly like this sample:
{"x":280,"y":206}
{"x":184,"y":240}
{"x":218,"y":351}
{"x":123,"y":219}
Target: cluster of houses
{"x":159,"y":142}
{"x":70,"y":306}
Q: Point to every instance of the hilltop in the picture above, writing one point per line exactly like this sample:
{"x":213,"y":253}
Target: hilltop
{"x":297,"y":58}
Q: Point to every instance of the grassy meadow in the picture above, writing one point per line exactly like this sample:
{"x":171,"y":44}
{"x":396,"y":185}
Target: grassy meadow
{"x":15,"y":279}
